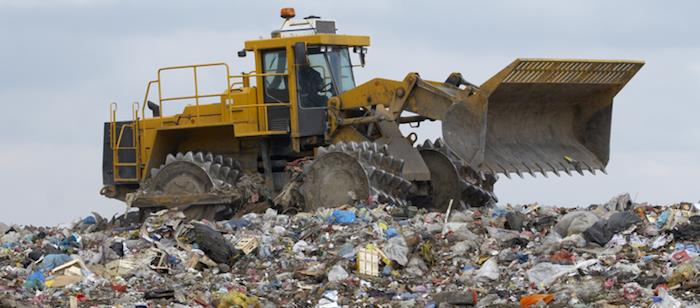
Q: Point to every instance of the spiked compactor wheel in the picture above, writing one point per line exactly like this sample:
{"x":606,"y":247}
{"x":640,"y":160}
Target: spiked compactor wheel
{"x":190,"y":176}
{"x":451,"y":178}
{"x":193,"y":173}
{"x":345,"y":172}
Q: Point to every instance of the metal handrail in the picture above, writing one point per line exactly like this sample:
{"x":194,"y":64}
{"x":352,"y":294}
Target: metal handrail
{"x":175,"y":98}
{"x":263,"y":106}
{"x":115,"y":141}
{"x":233,"y":84}
{"x":257,"y":75}
{"x":196,"y":85}
{"x":145,"y":97}
{"x":115,"y":158}
{"x":112,"y":124}
{"x":135,"y":137}
{"x":252,"y":74}
{"x":260,"y":105}
{"x":197,"y":96}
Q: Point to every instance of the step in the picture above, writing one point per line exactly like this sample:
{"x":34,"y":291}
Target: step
{"x":125,"y":164}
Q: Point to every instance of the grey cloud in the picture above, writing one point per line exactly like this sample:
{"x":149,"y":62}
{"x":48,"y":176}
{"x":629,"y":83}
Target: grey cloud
{"x":63,"y":61}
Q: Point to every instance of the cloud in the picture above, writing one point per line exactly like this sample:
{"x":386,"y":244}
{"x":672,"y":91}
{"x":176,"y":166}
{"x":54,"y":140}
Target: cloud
{"x":47,"y":183}
{"x":656,"y":176}
{"x":63,"y":61}
{"x":33,"y":4}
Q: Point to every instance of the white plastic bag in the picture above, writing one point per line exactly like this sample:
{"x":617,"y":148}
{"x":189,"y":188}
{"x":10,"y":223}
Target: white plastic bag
{"x":337,"y":273}
{"x":488,"y":271}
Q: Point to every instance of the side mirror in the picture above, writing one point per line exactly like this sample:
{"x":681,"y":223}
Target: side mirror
{"x":362,"y":51}
{"x":241,"y":53}
{"x":300,"y":53}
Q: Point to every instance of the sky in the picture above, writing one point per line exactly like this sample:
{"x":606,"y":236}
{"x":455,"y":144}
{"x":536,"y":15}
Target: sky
{"x":63,"y":61}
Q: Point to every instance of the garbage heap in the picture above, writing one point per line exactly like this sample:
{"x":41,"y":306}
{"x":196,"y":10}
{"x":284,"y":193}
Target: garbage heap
{"x":614,"y":254}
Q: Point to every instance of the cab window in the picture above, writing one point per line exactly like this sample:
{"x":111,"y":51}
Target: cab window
{"x":275,"y":87}
{"x":327,"y":73}
{"x":315,"y":81}
{"x":342,"y":74}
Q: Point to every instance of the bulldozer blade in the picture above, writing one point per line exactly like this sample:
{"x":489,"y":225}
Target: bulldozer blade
{"x":464,"y":129}
{"x":541,"y":115}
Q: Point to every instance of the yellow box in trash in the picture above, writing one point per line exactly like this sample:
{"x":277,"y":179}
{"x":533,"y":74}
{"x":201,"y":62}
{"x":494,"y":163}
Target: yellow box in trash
{"x":247,"y":244}
{"x":368,"y":262}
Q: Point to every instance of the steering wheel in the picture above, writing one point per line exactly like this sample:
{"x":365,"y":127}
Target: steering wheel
{"x":326,"y":87}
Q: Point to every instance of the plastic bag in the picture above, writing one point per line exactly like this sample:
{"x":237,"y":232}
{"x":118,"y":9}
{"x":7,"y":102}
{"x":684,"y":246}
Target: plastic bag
{"x":10,"y":238}
{"x":461,"y":248}
{"x":620,"y":221}
{"x":459,"y":231}
{"x":598,"y":233}
{"x":682,"y":273}
{"x":347,"y":251}
{"x":589,"y":290}
{"x":54,"y":260}
{"x":502,"y":235}
{"x":545,"y":273}
{"x":237,"y":299}
{"x":620,"y":202}
{"x":532,"y":299}
{"x":665,"y":300}
{"x":89,"y":220}
{"x":396,"y":249}
{"x":575,"y":222}
{"x":301,"y":247}
{"x":663,"y":218}
{"x":342,"y":217}
{"x":515,"y":221}
{"x":337,"y":273}
{"x":661,"y":241}
{"x":687,"y":232}
{"x":489,"y":270}
{"x":35,"y":281}
{"x":391,"y":232}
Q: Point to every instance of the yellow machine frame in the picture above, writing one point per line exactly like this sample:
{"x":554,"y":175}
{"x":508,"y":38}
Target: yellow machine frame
{"x":534,"y":116}
{"x":238,"y":114}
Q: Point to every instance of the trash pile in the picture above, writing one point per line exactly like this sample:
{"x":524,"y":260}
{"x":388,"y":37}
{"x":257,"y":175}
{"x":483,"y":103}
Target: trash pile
{"x":615,"y":254}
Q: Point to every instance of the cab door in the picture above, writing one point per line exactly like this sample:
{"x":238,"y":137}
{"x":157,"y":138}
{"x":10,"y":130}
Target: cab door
{"x":276,"y":88}
{"x":314,"y":88}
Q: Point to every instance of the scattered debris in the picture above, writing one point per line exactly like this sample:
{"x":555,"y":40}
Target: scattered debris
{"x":617,"y":253}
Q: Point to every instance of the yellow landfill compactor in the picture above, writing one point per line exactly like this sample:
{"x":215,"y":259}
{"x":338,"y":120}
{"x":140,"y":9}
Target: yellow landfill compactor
{"x":302,"y":110}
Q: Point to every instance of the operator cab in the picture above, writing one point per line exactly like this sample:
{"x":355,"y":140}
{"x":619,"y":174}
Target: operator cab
{"x":327,"y":72}
{"x":308,"y":53}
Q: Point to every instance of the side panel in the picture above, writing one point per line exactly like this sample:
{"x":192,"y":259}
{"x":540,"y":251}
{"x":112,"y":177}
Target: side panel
{"x":125,"y":155}
{"x":313,"y":121}
{"x":414,"y":168}
{"x":107,"y":158}
{"x":214,"y":139}
{"x":221,"y":140}
{"x":244,"y":119}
